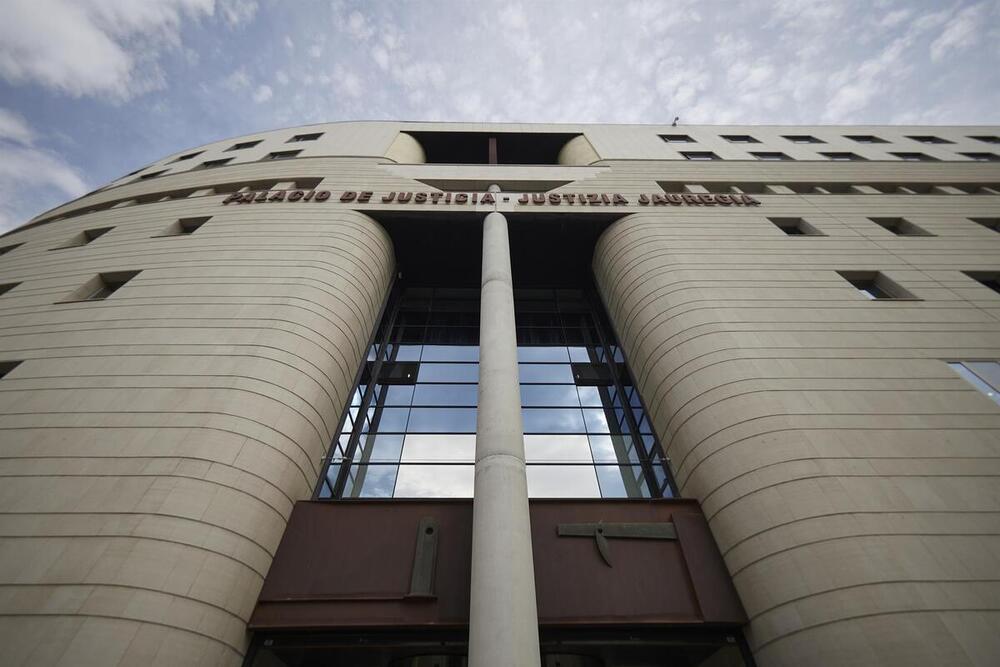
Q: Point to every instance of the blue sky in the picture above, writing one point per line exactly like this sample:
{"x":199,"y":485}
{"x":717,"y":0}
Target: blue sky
{"x":93,"y":89}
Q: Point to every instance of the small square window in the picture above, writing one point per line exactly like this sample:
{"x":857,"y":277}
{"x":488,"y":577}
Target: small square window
{"x":989,"y":139}
{"x":189,"y":156}
{"x":243,"y":145}
{"x":983,"y":375}
{"x":865,"y":139}
{"x":84,"y":237}
{"x":982,"y":157}
{"x":7,"y":248}
{"x":677,"y":139}
{"x":215,"y":163}
{"x":915,"y":157}
{"x":795,"y":227}
{"x":803,"y":139}
{"x":989,"y":223}
{"x":186,"y":226}
{"x":702,"y":155}
{"x":281,"y":155}
{"x":740,"y":139}
{"x":771,"y":156}
{"x":305,"y":137}
{"x":6,"y":287}
{"x":900,"y":227}
{"x":102,"y":286}
{"x":843,"y":157}
{"x":7,"y":366}
{"x":989,"y":279}
{"x":152,"y":174}
{"x":874,"y":285}
{"x":929,"y":139}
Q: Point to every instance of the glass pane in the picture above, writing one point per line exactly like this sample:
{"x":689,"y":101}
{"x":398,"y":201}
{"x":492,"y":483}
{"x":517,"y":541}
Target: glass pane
{"x":613,"y":449}
{"x":446,"y":394}
{"x":560,"y":420}
{"x":976,"y":381}
{"x":622,"y":482}
{"x":563,"y":448}
{"x":554,"y":395}
{"x":380,"y":448}
{"x":435,"y":481}
{"x":408,"y":353}
{"x":590,"y":397}
{"x":451,"y":353}
{"x":570,"y":481}
{"x":398,"y":394}
{"x":421,"y":448}
{"x":597,"y":421}
{"x":448,"y":373}
{"x":579,"y":354}
{"x":988,"y":372}
{"x":442,"y":420}
{"x":390,"y":420}
{"x":546,"y":373}
{"x":371,"y":481}
{"x":542,"y":354}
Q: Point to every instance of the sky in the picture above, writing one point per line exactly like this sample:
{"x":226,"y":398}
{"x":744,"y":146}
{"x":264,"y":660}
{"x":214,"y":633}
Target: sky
{"x":93,"y":89}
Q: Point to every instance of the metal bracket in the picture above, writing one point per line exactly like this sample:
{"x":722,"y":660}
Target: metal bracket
{"x":424,"y":560}
{"x":600,"y":531}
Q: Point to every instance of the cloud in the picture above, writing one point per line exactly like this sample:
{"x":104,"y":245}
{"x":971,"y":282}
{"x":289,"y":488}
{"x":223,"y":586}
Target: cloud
{"x":237,"y":12}
{"x":262,"y":94}
{"x":14,"y":128}
{"x":961,"y":32}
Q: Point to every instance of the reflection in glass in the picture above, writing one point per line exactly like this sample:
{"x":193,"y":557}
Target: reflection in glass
{"x":542,"y":354}
{"x":551,"y":448}
{"x":590,"y":397}
{"x":562,"y":481}
{"x":390,"y":420}
{"x":622,"y":481}
{"x":371,"y":481}
{"x":545,"y":373}
{"x":451,"y":353}
{"x":448,"y":373}
{"x":597,"y":421}
{"x":613,"y":449}
{"x":558,"y":420}
{"x":439,"y":447}
{"x":446,"y":394}
{"x":435,"y":481}
{"x":398,"y":394}
{"x":380,"y":448}
{"x":442,"y":420}
{"x":549,"y":395}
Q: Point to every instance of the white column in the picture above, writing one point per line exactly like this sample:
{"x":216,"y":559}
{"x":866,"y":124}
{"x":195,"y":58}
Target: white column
{"x":503,"y":625}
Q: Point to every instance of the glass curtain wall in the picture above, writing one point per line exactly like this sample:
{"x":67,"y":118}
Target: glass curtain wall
{"x":410,"y":429}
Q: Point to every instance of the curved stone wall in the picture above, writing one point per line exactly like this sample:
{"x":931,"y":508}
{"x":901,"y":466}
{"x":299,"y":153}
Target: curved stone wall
{"x":152,"y":444}
{"x":848,"y":474}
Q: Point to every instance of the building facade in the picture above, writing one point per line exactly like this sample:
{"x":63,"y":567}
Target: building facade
{"x":351,"y":393}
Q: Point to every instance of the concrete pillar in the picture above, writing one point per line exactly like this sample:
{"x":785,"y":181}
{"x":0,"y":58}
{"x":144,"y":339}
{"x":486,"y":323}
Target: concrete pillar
{"x":503,"y":625}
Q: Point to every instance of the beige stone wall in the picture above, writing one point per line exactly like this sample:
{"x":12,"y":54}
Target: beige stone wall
{"x":850,"y":477}
{"x":152,"y":444}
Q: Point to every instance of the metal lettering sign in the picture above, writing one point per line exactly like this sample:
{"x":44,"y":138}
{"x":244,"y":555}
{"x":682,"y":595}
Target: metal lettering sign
{"x":525,"y":199}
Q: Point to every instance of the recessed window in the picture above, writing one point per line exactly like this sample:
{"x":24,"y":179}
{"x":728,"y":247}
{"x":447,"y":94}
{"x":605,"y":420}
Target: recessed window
{"x":7,"y":248}
{"x":988,"y":139}
{"x":983,"y":375}
{"x":843,"y":157}
{"x":866,"y":139}
{"x":186,"y":226}
{"x":305,"y":137}
{"x":992,"y":224}
{"x":771,"y":156}
{"x":795,"y":227}
{"x":874,"y":285}
{"x":989,"y":279}
{"x":701,"y":155}
{"x":281,"y":155}
{"x":189,"y":156}
{"x":6,"y":287}
{"x":740,"y":139}
{"x":803,"y":139}
{"x":915,"y":157}
{"x":152,"y":174}
{"x":209,"y":164}
{"x":677,"y":139}
{"x":85,"y":237}
{"x":7,"y":366}
{"x":102,"y":286}
{"x":243,"y":144}
{"x":900,"y":227}
{"x":929,"y":139}
{"x":982,"y":157}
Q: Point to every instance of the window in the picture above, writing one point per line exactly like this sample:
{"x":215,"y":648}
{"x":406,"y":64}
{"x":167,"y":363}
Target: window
{"x":740,"y":139}
{"x":6,"y":287}
{"x":410,"y":428}
{"x":989,"y":223}
{"x":983,"y":375}
{"x":987,"y":139}
{"x":982,"y":157}
{"x":243,"y":145}
{"x":152,"y":174}
{"x":492,"y":147}
{"x":915,"y":157}
{"x":900,"y":227}
{"x":677,"y":139}
{"x":989,"y":279}
{"x":700,"y":155}
{"x":7,"y":366}
{"x":795,"y":227}
{"x":771,"y":156}
{"x":803,"y":139}
{"x":305,"y":137}
{"x":189,"y":156}
{"x":865,"y":139}
{"x":929,"y":140}
{"x":215,"y":163}
{"x":185,"y":226}
{"x":84,"y":237}
{"x":843,"y":157}
{"x":875,"y":285}
{"x":281,"y":155}
{"x":7,"y":248}
{"x":102,"y":286}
